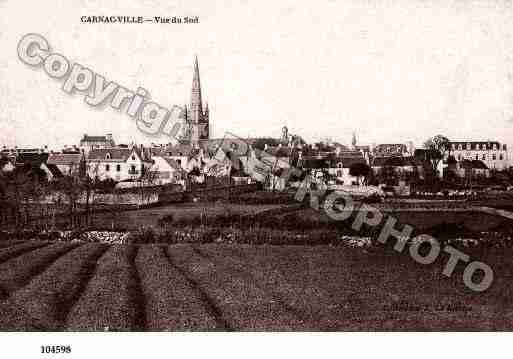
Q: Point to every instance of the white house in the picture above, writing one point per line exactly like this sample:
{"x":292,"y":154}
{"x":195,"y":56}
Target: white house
{"x":118,"y":164}
{"x":166,"y":170}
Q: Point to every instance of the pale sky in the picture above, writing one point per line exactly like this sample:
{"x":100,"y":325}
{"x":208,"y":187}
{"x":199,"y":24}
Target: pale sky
{"x":393,"y":71}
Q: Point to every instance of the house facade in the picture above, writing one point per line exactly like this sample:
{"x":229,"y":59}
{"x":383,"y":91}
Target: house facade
{"x":118,"y":164}
{"x":492,"y":153}
{"x":166,"y":171}
{"x":89,"y":143}
{"x":67,"y":163}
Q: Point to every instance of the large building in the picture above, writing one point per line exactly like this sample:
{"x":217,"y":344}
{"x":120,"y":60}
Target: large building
{"x":492,"y":153}
{"x":88,"y":143}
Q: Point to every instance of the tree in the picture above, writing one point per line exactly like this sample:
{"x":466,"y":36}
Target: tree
{"x":146,"y":185}
{"x":89,"y":180}
{"x":358,"y":170}
{"x":19,"y":189}
{"x":435,"y":150}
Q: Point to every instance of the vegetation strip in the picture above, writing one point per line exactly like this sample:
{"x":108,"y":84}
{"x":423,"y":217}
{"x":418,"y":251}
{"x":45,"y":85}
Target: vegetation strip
{"x":172,"y":301}
{"x":18,"y":249}
{"x":237,"y":296}
{"x":45,"y":302}
{"x":18,"y":271}
{"x":273,"y":300}
{"x":108,"y":301}
{"x":179,"y":257}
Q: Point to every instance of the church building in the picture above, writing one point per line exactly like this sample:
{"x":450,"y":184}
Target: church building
{"x":197,"y":117}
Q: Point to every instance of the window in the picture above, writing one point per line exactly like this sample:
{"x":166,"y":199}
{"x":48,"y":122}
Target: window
{"x":132,"y":168}
{"x":133,"y":158}
{"x":477,"y":157}
{"x":118,"y":168}
{"x":460,"y":147}
{"x":459,"y":157}
{"x":494,"y":157}
{"x":477,"y":147}
{"x":107,"y":156}
{"x":495,"y":146}
{"x":484,"y":157}
{"x":501,"y":157}
{"x":107,"y":168}
{"x":468,"y":146}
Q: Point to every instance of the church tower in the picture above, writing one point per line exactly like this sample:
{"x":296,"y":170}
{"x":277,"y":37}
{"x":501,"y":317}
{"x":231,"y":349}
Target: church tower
{"x":197,"y":118}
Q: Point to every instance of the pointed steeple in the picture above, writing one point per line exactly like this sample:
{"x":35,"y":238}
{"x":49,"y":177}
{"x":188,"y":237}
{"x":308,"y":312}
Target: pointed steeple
{"x":196,"y":110}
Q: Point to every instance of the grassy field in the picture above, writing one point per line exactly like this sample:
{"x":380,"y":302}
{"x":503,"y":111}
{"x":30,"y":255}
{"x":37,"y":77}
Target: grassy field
{"x":135,"y":219}
{"x":423,"y":220}
{"x":72,"y":286}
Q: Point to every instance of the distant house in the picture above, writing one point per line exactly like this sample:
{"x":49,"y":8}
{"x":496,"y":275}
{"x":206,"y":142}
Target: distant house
{"x":472,"y":169}
{"x":68,"y":164}
{"x":335,"y":166}
{"x":492,"y":153}
{"x":166,"y":170}
{"x":118,"y":164}
{"x":398,"y":167}
{"x":6,"y":164}
{"x":183,"y":154}
{"x":88,"y":143}
{"x":386,"y":149}
{"x":340,"y":168}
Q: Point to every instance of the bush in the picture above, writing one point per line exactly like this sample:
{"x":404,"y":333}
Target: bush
{"x":166,"y":220}
{"x":144,"y":235}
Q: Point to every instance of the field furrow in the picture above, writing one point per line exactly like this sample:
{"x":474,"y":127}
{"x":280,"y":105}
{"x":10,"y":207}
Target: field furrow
{"x":19,"y":248}
{"x":45,"y":302}
{"x":275,"y":296}
{"x":234,"y":293}
{"x":110,"y":299}
{"x":18,"y":271}
{"x":172,"y":301}
{"x":319,"y":283}
{"x":9,"y":243}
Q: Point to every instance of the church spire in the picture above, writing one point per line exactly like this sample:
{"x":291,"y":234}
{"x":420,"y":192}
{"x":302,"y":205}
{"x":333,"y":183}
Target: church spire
{"x":196,"y":110}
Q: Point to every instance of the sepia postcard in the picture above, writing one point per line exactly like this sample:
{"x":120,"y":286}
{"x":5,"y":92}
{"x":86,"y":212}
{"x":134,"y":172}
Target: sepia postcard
{"x":236,"y":166}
